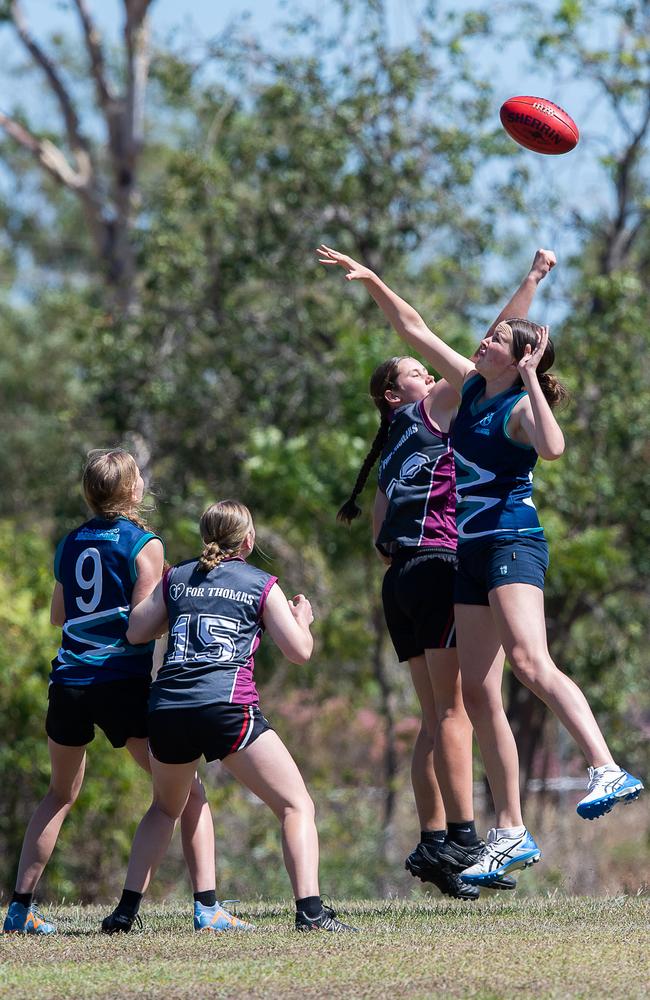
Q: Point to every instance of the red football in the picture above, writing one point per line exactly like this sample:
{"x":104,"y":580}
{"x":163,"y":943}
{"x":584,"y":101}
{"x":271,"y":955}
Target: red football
{"x":539,"y":124}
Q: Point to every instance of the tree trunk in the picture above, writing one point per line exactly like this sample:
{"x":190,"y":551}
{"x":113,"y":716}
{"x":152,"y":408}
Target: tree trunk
{"x":386,"y":709}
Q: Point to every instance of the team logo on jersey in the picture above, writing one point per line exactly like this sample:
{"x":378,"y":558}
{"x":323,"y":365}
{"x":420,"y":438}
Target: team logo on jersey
{"x":176,"y":590}
{"x":95,"y":534}
{"x":483,"y":426}
{"x":503,"y":570}
{"x":409,"y":470}
{"x":412,"y":465}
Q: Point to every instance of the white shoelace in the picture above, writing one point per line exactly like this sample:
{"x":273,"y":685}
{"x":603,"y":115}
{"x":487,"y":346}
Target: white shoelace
{"x":598,"y":776}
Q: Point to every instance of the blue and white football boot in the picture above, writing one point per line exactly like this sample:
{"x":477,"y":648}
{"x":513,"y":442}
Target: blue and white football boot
{"x":502,"y":855}
{"x":22,"y":919}
{"x":608,"y":785}
{"x":216,"y":919}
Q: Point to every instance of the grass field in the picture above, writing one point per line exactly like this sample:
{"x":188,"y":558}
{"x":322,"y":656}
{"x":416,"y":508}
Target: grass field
{"x":542,"y":947}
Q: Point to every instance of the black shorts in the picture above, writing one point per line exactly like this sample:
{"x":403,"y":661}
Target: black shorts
{"x":418,"y":597}
{"x":179,"y":735}
{"x":117,"y":707}
{"x":496,"y":562}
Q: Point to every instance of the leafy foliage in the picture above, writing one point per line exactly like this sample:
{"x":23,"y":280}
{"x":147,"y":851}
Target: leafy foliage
{"x":241,"y":368}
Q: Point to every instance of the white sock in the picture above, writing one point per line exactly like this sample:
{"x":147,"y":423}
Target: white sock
{"x":606,"y":767}
{"x":511,"y":831}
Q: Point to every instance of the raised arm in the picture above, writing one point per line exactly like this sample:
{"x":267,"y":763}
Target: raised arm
{"x":533,"y":420}
{"x":404,"y":319}
{"x":521,"y":301}
{"x":287,"y":622}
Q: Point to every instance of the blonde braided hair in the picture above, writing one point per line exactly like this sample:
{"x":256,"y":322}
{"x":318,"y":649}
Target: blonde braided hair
{"x":224,"y":527}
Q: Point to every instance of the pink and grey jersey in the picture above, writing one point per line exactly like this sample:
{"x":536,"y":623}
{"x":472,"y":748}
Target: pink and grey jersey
{"x":215,"y":627}
{"x":416,"y":472}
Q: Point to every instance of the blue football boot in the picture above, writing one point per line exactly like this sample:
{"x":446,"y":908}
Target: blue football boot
{"x":608,"y":785}
{"x":502,"y":855}
{"x":23,"y":919}
{"x":215,"y":919}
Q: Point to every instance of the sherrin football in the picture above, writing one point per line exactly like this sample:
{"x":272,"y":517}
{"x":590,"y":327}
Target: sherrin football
{"x":539,"y":124}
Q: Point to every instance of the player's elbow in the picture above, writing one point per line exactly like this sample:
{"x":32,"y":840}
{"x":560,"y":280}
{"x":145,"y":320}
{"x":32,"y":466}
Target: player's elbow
{"x":414,"y":325}
{"x":552,"y":451}
{"x":300,"y":652}
{"x":137,"y":633}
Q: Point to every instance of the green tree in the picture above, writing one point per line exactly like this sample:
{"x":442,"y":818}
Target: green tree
{"x":216,"y":348}
{"x":598,"y":596}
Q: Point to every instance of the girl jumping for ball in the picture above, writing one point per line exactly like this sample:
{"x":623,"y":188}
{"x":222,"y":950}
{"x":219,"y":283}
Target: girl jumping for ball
{"x":505,"y":421}
{"x":414,"y":529}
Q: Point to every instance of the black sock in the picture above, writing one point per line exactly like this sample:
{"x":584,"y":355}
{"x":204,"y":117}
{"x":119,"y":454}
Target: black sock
{"x":432,"y":838}
{"x":207,"y":898}
{"x":23,"y":897}
{"x":130,"y":902}
{"x":463,"y":833}
{"x":310,"y":905}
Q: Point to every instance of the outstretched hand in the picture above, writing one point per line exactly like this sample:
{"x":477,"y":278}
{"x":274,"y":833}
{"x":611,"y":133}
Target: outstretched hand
{"x":545,"y":261}
{"x":532,"y":356}
{"x":354,"y":270}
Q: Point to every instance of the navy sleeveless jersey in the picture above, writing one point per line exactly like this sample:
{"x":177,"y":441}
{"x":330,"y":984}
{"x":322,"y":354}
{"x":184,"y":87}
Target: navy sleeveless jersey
{"x":494,"y":474}
{"x":95,"y":565}
{"x":215,"y":626}
{"x":416,"y":472}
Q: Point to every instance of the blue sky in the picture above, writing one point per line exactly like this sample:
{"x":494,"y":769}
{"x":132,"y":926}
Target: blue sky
{"x":181,"y":21}
{"x":184,"y":20}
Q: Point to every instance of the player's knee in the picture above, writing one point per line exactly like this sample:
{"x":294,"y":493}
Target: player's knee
{"x":428,"y":732}
{"x":62,"y":798}
{"x":302,"y":806}
{"x":454,"y":716}
{"x":167,"y":810}
{"x":198,"y":796}
{"x":529,"y":667}
{"x":479,"y":701}
{"x":308,"y":808}
{"x":63,"y":795}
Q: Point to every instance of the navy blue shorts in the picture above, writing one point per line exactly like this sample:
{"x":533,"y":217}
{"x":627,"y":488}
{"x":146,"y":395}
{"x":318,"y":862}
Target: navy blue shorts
{"x":418,"y":598}
{"x":117,"y":707}
{"x":497,"y":561}
{"x":180,"y":735}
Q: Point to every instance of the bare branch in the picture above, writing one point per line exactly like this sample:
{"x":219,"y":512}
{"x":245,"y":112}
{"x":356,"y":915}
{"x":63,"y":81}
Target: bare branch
{"x":109,"y":218}
{"x":50,"y":157}
{"x":217,"y":123}
{"x":78,"y":142}
{"x":136,"y":34}
{"x":54,"y":162}
{"x":621,"y":236}
{"x":96,"y":54}
{"x":136,"y":10}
